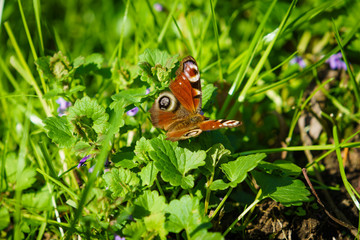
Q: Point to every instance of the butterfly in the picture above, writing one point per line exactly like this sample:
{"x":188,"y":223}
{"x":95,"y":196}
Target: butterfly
{"x":179,"y":112}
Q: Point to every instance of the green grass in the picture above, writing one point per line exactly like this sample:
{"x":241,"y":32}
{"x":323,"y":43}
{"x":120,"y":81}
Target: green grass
{"x":102,"y":56}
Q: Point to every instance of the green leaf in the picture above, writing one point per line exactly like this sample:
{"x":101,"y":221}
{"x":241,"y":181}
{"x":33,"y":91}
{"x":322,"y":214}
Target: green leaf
{"x":39,"y":200}
{"x":142,"y":147}
{"x":213,"y":155}
{"x":78,"y":61}
{"x":43,"y":65}
{"x":4,"y":217}
{"x":219,"y":185}
{"x":236,"y":171}
{"x":77,"y":88}
{"x":284,"y":189}
{"x":95,"y":58}
{"x":135,"y":230}
{"x":184,"y":214}
{"x":156,"y":56}
{"x":148,"y":174}
{"x":175,"y":162}
{"x":121,"y":182}
{"x":155,"y":225}
{"x":204,"y":234}
{"x":149,"y":202}
{"x":59,"y":131}
{"x":89,"y":118}
{"x":60,"y":66}
{"x":154,"y":62}
{"x":133,"y":95}
{"x":27,"y":179}
{"x":208,"y":95}
{"x":125,"y":160}
{"x":286,"y":167}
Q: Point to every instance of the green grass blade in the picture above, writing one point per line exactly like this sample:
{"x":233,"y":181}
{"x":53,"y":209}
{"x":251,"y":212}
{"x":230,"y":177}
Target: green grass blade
{"x":248,"y":57}
{"x":37,"y":10}
{"x":167,"y":22}
{"x":28,"y":75}
{"x":279,"y":83}
{"x":121,"y":41}
{"x":349,"y":70}
{"x":21,"y":164}
{"x":342,"y":169}
{"x":216,"y":33}
{"x":251,"y":81}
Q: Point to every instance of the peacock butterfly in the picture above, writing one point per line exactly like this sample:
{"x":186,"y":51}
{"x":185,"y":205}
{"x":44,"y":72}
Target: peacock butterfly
{"x":179,"y":112}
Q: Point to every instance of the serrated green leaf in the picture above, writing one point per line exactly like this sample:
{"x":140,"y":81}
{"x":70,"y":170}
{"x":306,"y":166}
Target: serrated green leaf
{"x":219,"y":185}
{"x":124,"y":159}
{"x":175,"y":162}
{"x":208,"y":95}
{"x":286,"y":167}
{"x":60,"y":66}
{"x":27,"y":179}
{"x":149,"y":202}
{"x":156,"y":56}
{"x":4,"y":217}
{"x":121,"y":182}
{"x":59,"y":131}
{"x":88,"y":117}
{"x":53,"y":93}
{"x":284,"y":189}
{"x":213,"y":155}
{"x":184,"y":214}
{"x":37,"y":200}
{"x":155,"y":225}
{"x":76,"y":89}
{"x":134,"y":230}
{"x":204,"y":234}
{"x":43,"y":65}
{"x":95,"y":58}
{"x":133,"y":95}
{"x":236,"y":171}
{"x":142,"y":147}
{"x":148,"y":174}
{"x":78,"y":61}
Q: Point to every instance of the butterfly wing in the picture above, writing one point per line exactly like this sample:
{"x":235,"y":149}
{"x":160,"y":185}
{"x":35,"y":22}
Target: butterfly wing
{"x":167,"y":112}
{"x":187,"y":87}
{"x":217,"y":124}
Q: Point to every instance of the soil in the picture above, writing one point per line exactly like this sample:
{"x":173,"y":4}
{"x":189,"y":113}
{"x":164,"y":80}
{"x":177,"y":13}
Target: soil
{"x":310,"y":221}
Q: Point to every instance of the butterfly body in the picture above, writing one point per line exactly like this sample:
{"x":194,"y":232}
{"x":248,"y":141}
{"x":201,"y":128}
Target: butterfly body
{"x":179,"y":112}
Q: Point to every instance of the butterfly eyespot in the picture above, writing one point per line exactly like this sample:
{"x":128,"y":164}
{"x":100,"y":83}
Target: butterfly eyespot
{"x":192,"y":133}
{"x":167,"y":101}
{"x":191,"y":71}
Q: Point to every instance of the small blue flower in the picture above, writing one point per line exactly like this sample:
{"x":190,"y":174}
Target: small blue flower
{"x":64,"y":105}
{"x":158,"y":7}
{"x":132,"y":112}
{"x":91,"y":169}
{"x":335,"y":62}
{"x":83,"y":160}
{"x":298,"y":60}
{"x":117,"y":237}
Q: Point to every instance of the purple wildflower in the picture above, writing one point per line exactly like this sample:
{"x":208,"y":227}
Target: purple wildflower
{"x":135,"y":110}
{"x":158,"y":7}
{"x":117,"y":237}
{"x":64,"y":105}
{"x":298,"y":60}
{"x":132,"y":112}
{"x":91,"y":169}
{"x":83,"y":160}
{"x":335,"y":62}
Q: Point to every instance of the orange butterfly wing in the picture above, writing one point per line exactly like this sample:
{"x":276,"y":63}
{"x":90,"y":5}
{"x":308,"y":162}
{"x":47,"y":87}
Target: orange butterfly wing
{"x":187,"y":87}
